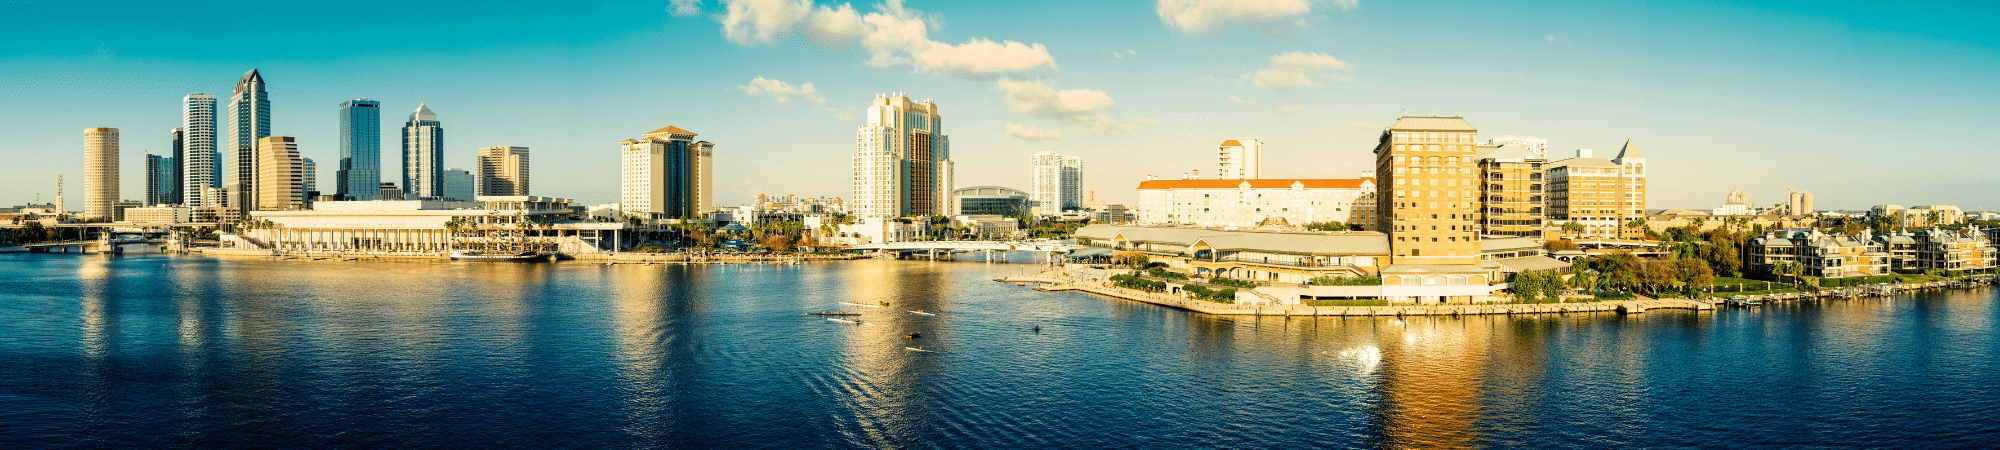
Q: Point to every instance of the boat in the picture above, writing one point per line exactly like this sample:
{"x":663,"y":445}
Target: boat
{"x":1744,"y":302}
{"x":861,"y":305}
{"x":469,"y":255}
{"x":918,"y":349}
{"x":921,"y":313}
{"x":832,"y":313}
{"x":854,"y":322}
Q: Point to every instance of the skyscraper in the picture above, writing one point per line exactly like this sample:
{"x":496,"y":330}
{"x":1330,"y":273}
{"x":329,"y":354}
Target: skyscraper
{"x":423,"y":155}
{"x":902,"y":160}
{"x":172,"y":193}
{"x":200,"y":162}
{"x":160,"y":182}
{"x":249,"y":121}
{"x":100,"y":172}
{"x":310,"y":171}
{"x":280,"y":175}
{"x":359,"y":176}
{"x":503,"y":170}
{"x":665,"y":173}
{"x":1055,"y":183}
{"x":458,"y":185}
{"x":1241,"y":159}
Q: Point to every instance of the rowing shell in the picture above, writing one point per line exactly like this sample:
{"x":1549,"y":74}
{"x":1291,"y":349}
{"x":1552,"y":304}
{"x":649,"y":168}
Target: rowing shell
{"x":861,"y":305}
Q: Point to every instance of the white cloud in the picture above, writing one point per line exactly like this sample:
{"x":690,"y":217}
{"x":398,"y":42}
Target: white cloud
{"x":1241,"y":100}
{"x":1298,"y":69}
{"x":781,"y":91}
{"x":1287,"y":109}
{"x":1084,"y":107}
{"x":1032,"y":133}
{"x":1124,"y":54}
{"x":1211,"y":17}
{"x":892,"y":36}
{"x":684,"y":8}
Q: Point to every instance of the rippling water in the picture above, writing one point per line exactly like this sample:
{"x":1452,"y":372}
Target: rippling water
{"x":191,"y":352}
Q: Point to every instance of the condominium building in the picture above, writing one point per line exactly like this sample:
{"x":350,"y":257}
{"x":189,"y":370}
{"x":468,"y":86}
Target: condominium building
{"x":1512,"y":190}
{"x":902,"y":160}
{"x":423,"y":155}
{"x":1241,"y":159}
{"x":1603,"y":195}
{"x":360,"y":169}
{"x":665,"y":174}
{"x":503,"y":171}
{"x":1426,"y":200}
{"x":280,"y":175}
{"x":200,"y":161}
{"x":458,"y":185}
{"x":1963,"y":249}
{"x":1818,"y":254}
{"x":160,"y":182}
{"x":249,"y":121}
{"x":1250,"y":203}
{"x":1055,"y":183}
{"x":100,"y":173}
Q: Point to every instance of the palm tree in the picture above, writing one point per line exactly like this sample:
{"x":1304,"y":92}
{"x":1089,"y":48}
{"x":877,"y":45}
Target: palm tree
{"x":1572,"y":229}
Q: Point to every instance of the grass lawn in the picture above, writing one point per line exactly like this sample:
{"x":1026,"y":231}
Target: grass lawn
{"x":1721,"y":281}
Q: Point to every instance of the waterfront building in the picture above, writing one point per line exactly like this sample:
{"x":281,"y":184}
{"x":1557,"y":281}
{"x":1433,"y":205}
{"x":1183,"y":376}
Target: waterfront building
{"x":159,"y":214}
{"x":666,"y":174}
{"x":1513,"y":195}
{"x":280,"y":175}
{"x":160,"y":182}
{"x":793,"y":203}
{"x":1055,"y":183}
{"x":172,"y":194}
{"x":249,"y":121}
{"x":458,"y":185}
{"x":1250,"y":203}
{"x":1272,"y":257}
{"x":1241,"y":159}
{"x":360,"y":169}
{"x":902,"y":160}
{"x":503,"y":171}
{"x":423,"y":156}
{"x":118,"y":209}
{"x":1819,"y":254}
{"x":989,"y":200}
{"x":100,"y":173}
{"x":1968,"y":248}
{"x":432,"y":227}
{"x":1930,"y":216}
{"x":1901,"y":247}
{"x":214,"y":214}
{"x":1427,"y":196}
{"x":201,"y":163}
{"x":1603,"y":195}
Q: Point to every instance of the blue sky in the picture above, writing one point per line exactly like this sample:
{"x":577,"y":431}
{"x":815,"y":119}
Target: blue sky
{"x":1859,"y":103}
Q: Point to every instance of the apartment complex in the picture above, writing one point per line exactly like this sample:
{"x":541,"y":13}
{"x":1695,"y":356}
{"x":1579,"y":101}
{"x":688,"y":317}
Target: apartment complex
{"x":1817,"y":253}
{"x":1055,"y":183}
{"x":1241,"y":159}
{"x":902,"y":160}
{"x":666,"y":174}
{"x":1250,"y":203}
{"x":360,"y":170}
{"x":1603,"y":195}
{"x":423,"y":155}
{"x":280,"y":175}
{"x":503,"y":171}
{"x":1513,"y":196}
{"x":100,"y":173}
{"x":199,"y":159}
{"x":1962,"y":249}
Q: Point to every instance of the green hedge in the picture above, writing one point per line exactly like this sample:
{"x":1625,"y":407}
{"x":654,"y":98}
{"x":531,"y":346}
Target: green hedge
{"x":1222,"y":296}
{"x":1231,"y":282}
{"x":1345,"y":281}
{"x":1132,"y":282}
{"x":1163,"y":273}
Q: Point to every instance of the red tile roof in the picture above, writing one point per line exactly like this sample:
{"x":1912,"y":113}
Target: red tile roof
{"x":1269,"y":183}
{"x":670,"y":129}
{"x":1231,"y":143}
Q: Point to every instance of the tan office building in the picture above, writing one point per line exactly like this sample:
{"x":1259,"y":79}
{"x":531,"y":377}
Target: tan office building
{"x":1601,"y":194}
{"x":1513,"y":196}
{"x":503,"y":171}
{"x":280,"y":175}
{"x":100,"y":172}
{"x":1427,"y":197}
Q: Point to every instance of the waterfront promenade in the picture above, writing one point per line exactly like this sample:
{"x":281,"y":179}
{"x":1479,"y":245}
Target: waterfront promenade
{"x":1056,"y":281}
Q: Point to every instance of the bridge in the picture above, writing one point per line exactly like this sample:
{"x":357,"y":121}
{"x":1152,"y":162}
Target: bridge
{"x":1021,"y":246}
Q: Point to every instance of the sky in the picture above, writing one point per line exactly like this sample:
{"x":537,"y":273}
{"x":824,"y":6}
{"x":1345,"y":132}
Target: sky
{"x":1861,"y":103}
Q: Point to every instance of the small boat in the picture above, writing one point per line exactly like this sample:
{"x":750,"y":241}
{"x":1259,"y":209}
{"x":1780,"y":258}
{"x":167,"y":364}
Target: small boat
{"x":918,"y":349}
{"x":855,"y":322}
{"x":832,"y":313}
{"x":861,"y":305}
{"x":921,"y":313}
{"x":469,"y":255}
{"x":1744,"y":302}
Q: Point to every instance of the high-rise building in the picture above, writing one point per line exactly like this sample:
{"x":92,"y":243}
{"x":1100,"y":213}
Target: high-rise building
{"x":665,"y":173}
{"x":201,"y":163}
{"x":160,"y":182}
{"x":1426,"y":198}
{"x":172,"y":194}
{"x":1241,"y":159}
{"x":423,"y":155}
{"x":249,"y":121}
{"x":902,"y":160}
{"x":1513,"y":193}
{"x":503,"y":170}
{"x":1055,"y":183}
{"x":310,"y":171}
{"x":458,"y":185}
{"x":388,"y":191}
{"x":100,"y":172}
{"x":1602,"y":195}
{"x":280,"y":175}
{"x":360,"y":171}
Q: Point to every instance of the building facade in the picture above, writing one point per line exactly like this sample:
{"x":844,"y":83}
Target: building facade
{"x":100,"y":173}
{"x":1968,"y":248}
{"x":280,"y":175}
{"x":249,"y":121}
{"x":360,"y":168}
{"x":989,"y":201}
{"x":666,"y":174}
{"x":1241,"y":159}
{"x":1250,"y":203}
{"x":902,"y":160}
{"x":160,"y":182}
{"x":503,"y":171}
{"x":200,"y":161}
{"x":1603,"y":195}
{"x":1513,"y":196}
{"x":1055,"y":183}
{"x":1426,"y":201}
{"x":458,"y":185}
{"x":172,"y":194}
{"x":423,"y":155}
{"x":310,"y":170}
{"x":1817,"y":254}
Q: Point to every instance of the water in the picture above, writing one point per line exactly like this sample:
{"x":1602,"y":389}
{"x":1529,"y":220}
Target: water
{"x":161,"y":351}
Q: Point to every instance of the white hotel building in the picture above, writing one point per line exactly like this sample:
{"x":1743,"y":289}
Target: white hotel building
{"x":1248,"y":203}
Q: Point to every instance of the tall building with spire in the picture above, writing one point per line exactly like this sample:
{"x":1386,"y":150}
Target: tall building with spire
{"x":200,"y":162}
{"x":100,"y":173}
{"x":665,"y":174}
{"x":249,"y":121}
{"x":423,"y":155}
{"x":902,"y":160}
{"x":1602,"y":195}
{"x":359,"y":176}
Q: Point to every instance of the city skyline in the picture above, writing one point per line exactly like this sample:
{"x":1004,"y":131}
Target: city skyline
{"x":1819,"y":90}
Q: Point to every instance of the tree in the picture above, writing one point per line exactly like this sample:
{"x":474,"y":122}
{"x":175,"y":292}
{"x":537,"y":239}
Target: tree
{"x":1572,"y":229}
{"x":1326,"y":226}
{"x":1562,"y":245}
